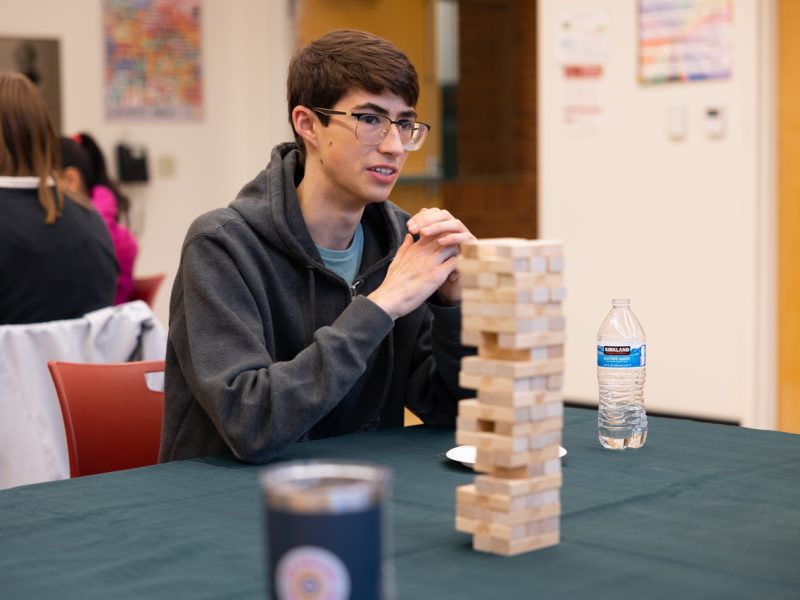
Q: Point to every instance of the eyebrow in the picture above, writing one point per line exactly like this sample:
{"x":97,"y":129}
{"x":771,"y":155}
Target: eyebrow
{"x":382,"y":111}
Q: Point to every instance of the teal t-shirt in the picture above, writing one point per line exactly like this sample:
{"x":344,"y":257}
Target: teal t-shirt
{"x":345,"y":263}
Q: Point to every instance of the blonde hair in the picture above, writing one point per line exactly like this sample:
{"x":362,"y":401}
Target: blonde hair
{"x":28,"y":141}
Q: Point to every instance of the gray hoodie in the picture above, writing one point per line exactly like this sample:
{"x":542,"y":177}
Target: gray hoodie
{"x":268,"y":347}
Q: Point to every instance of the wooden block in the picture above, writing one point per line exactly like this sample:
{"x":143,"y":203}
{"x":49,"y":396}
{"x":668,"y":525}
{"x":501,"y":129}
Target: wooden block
{"x":485,"y":543}
{"x":471,"y":337}
{"x":531,"y":429}
{"x":516,"y":310}
{"x":469,"y":250}
{"x":509,"y":246}
{"x":479,"y":365}
{"x":475,"y":410}
{"x":473,"y":381}
{"x":499,"y":264}
{"x":493,"y":530}
{"x":479,"y":280}
{"x":530,"y":340}
{"x":548,"y":247}
{"x":510,"y":459}
{"x":538,"y":353}
{"x":493,"y":442}
{"x":505,"y":247}
{"x":512,"y":292}
{"x":505,"y":502}
{"x":505,"y":324}
{"x":473,"y":511}
{"x":547,"y":467}
{"x":544,"y":440}
{"x":555,"y":263}
{"x":544,"y":526}
{"x":490,"y":484}
{"x":555,"y":381}
{"x":500,"y":417}
{"x":519,"y":399}
{"x":549,"y":410}
{"x":519,"y":517}
{"x":470,"y":424}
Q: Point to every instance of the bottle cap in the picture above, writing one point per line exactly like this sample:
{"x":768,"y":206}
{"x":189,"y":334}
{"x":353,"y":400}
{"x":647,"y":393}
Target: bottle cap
{"x":620,"y":301}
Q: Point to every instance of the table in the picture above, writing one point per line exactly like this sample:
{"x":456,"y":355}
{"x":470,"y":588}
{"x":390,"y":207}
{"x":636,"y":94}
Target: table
{"x":702,"y":511}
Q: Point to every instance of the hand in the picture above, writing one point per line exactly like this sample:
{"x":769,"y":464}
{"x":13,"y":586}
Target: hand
{"x":448,"y":232}
{"x":417,"y":271}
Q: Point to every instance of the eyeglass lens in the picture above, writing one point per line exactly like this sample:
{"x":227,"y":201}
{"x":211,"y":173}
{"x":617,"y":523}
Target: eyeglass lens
{"x":372,"y":129}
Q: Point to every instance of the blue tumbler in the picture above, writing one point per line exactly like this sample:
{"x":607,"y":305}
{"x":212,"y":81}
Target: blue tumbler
{"x":326,"y":531}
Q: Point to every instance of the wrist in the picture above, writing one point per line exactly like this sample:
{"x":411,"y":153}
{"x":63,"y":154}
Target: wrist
{"x":384,"y":304}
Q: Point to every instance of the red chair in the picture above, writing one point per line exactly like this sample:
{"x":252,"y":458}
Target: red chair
{"x":111,"y":417}
{"x":145,"y":288}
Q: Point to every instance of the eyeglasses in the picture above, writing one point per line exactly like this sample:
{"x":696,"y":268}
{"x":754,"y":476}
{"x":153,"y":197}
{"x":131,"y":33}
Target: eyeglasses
{"x":372,"y":129}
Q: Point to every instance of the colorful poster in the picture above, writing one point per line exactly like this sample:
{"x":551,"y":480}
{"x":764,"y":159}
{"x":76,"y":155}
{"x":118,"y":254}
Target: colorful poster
{"x":153,"y":66}
{"x":685,"y":40}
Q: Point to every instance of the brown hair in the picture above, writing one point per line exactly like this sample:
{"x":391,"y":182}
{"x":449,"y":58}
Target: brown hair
{"x":344,"y":59}
{"x":28,"y":141}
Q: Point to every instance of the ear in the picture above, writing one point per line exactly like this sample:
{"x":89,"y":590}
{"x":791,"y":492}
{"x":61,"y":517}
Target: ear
{"x":72,"y":180}
{"x":305,"y":124}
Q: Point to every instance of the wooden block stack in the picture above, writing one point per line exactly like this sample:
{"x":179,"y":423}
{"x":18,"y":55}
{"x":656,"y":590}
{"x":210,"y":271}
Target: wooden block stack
{"x":511,"y":310}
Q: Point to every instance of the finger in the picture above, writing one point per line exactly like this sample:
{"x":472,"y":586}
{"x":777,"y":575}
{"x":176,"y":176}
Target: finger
{"x":413,"y":223}
{"x":439,"y":227}
{"x":407,"y":241}
{"x":455,"y":239}
{"x":449,"y":266}
{"x":429,"y":216}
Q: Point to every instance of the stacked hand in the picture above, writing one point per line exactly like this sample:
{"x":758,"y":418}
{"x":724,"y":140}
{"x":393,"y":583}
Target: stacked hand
{"x":425,"y":266}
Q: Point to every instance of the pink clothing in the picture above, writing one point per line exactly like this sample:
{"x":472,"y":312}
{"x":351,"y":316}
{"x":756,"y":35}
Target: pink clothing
{"x":125,"y":246}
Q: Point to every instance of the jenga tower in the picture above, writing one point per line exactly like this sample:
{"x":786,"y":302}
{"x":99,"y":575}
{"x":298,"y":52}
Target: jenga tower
{"x":511,"y":310}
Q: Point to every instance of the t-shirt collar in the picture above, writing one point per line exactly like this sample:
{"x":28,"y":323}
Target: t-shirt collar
{"x":22,"y":183}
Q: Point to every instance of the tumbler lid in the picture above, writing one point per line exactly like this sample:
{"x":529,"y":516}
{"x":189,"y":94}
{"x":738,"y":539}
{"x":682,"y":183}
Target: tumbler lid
{"x":324,"y":487}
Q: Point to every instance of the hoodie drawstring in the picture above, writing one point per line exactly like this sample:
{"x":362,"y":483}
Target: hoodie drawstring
{"x":313,"y":302}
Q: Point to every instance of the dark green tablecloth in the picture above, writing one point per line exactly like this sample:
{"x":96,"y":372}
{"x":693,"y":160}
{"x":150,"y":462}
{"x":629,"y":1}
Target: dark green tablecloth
{"x":702,"y":511}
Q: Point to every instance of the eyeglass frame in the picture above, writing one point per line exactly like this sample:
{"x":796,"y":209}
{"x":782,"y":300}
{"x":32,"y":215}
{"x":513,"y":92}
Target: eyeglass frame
{"x":330,"y":113}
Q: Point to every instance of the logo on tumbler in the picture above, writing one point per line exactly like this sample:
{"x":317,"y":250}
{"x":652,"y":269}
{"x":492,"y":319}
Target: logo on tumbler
{"x":311,"y":573}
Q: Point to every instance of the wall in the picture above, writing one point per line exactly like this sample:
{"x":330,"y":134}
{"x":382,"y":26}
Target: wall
{"x":789,"y":217}
{"x":682,"y":228}
{"x":246,"y":47}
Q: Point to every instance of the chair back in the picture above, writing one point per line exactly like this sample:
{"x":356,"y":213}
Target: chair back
{"x":146,"y":288}
{"x":112,"y":419}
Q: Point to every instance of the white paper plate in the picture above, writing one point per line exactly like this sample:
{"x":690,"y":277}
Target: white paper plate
{"x":466,"y":454}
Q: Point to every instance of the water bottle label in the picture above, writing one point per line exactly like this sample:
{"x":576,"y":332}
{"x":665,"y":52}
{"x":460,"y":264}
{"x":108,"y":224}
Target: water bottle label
{"x":623,"y":355}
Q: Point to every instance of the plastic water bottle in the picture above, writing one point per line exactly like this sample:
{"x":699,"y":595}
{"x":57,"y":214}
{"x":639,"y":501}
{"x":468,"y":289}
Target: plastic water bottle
{"x":621,"y":360}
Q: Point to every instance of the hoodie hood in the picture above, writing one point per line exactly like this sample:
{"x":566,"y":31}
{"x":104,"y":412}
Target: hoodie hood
{"x":269,"y":205}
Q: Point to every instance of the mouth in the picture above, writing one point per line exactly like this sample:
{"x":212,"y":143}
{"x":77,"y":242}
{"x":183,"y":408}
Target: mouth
{"x":386,"y":171}
{"x":383,"y":174}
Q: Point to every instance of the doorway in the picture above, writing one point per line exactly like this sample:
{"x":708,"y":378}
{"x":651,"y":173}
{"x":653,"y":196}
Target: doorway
{"x":489,"y":117}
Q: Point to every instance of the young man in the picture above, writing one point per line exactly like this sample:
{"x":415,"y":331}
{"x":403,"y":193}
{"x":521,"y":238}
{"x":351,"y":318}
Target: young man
{"x":306,"y":309}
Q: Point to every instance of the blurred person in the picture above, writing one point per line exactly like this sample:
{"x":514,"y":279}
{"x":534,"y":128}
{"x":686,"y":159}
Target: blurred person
{"x":312,"y":306}
{"x":76,"y":168}
{"x":114,"y":207}
{"x":56,"y":256}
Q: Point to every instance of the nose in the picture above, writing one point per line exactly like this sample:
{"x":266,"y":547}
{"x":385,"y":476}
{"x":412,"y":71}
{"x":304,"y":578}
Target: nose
{"x":391,"y":143}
